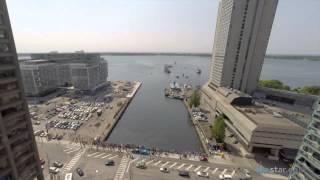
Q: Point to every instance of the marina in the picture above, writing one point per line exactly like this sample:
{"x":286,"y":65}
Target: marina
{"x":141,"y":125}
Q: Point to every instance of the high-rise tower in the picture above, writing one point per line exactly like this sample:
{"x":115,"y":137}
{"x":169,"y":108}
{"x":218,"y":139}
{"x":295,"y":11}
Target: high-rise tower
{"x":307,"y":163}
{"x":241,"y":38}
{"x":19,"y":157}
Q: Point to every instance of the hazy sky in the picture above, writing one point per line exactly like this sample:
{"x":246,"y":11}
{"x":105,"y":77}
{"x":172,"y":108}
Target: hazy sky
{"x":149,"y":25}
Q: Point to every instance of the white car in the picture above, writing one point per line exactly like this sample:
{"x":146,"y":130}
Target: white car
{"x":164,"y":170}
{"x":54,"y":170}
{"x":247,"y":173}
{"x":203,"y":174}
{"x":225,"y":176}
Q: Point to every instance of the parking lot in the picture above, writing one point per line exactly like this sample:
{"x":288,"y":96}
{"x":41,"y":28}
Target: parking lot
{"x":80,"y":117}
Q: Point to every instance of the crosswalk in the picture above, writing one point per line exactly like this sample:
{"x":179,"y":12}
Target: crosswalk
{"x":122,"y":168}
{"x":102,"y":155}
{"x":187,"y":167}
{"x":71,"y":148}
{"x":73,"y":161}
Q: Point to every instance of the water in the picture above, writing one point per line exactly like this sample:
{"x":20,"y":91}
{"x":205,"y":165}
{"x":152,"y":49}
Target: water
{"x":155,"y":121}
{"x":294,"y":73}
{"x":151,"y":119}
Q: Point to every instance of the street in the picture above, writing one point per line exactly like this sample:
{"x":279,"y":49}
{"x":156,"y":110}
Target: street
{"x":92,"y":162}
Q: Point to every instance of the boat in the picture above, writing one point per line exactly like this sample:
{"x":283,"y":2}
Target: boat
{"x":174,"y":85}
{"x":177,"y":77}
{"x":166,"y":92}
{"x":199,"y":71}
{"x":167,"y":68}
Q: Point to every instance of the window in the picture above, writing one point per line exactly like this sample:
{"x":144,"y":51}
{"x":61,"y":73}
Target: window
{"x":4,"y":48}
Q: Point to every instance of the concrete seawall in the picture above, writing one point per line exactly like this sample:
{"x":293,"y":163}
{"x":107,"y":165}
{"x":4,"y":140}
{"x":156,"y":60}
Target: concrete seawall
{"x":198,"y":129}
{"x":121,"y":111}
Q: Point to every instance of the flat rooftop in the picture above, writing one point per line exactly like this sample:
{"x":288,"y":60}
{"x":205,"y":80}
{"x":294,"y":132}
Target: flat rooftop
{"x":265,"y":117}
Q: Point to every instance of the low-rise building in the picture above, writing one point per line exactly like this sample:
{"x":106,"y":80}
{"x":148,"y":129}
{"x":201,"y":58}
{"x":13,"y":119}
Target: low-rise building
{"x":39,"y":77}
{"x":88,"y":75}
{"x":256,"y":126}
{"x":85,"y":72}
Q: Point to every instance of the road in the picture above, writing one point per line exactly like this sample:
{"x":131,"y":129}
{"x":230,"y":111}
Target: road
{"x":92,"y":162}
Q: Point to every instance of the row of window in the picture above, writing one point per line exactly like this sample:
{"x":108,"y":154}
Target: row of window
{"x":239,"y":44}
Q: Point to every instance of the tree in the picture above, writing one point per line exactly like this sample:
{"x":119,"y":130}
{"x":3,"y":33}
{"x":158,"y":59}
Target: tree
{"x":275,"y":84}
{"x":218,"y":129}
{"x":314,"y":90}
{"x":194,"y":99}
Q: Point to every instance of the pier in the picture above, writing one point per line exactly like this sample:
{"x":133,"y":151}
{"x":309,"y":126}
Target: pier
{"x":121,"y":111}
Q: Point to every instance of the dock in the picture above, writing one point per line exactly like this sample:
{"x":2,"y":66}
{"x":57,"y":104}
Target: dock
{"x":200,"y":134}
{"x":121,"y":111}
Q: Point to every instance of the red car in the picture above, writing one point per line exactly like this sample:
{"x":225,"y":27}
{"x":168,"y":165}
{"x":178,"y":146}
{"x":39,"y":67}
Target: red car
{"x":203,"y":158}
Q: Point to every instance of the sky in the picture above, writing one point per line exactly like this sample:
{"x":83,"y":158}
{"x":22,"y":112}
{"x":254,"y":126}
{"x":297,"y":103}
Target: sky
{"x":149,"y":26}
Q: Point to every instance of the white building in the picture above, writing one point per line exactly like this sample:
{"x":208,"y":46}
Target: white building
{"x":241,"y":38}
{"x":85,"y":72}
{"x":89,"y":76}
{"x":39,"y":77}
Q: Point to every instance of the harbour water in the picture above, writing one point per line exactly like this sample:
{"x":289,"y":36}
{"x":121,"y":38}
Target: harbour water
{"x":156,"y":121}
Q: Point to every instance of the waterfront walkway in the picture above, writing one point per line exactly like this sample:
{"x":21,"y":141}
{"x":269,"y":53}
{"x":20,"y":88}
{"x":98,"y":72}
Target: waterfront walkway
{"x":192,"y":156}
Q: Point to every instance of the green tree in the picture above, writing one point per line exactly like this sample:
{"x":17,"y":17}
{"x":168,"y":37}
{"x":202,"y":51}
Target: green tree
{"x":314,"y":90}
{"x":218,"y":129}
{"x":194,"y":99}
{"x":275,"y":84}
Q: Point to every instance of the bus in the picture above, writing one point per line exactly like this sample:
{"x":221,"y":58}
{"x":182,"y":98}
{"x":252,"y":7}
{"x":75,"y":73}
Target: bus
{"x":68,"y":176}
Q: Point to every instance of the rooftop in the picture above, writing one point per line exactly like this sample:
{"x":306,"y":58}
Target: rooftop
{"x":265,"y":117}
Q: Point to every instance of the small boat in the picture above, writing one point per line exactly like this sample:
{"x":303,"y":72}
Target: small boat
{"x":177,"y":77}
{"x":199,"y":71}
{"x":167,"y":68}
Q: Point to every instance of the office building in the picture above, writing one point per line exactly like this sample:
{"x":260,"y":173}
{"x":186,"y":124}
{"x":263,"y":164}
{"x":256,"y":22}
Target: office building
{"x":242,"y":32}
{"x":39,"y":77}
{"x":307,"y":162}
{"x":89,"y":75}
{"x":85,"y":72}
{"x":19,"y":157}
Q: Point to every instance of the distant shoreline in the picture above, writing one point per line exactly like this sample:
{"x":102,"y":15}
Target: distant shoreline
{"x":295,"y":57}
{"x":270,"y":56}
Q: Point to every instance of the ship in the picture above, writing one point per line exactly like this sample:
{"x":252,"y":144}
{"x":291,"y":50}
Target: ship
{"x":199,"y":71}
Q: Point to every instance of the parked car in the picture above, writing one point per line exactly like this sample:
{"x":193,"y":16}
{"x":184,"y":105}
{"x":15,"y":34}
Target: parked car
{"x":141,"y":165}
{"x":225,"y":176}
{"x":54,"y":170}
{"x":203,"y":174}
{"x":79,"y":171}
{"x":184,"y":173}
{"x":110,"y":163}
{"x":42,"y":161}
{"x":247,"y":173}
{"x":59,"y":137}
{"x":164,"y":170}
{"x":57,"y":164}
{"x":38,"y":132}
